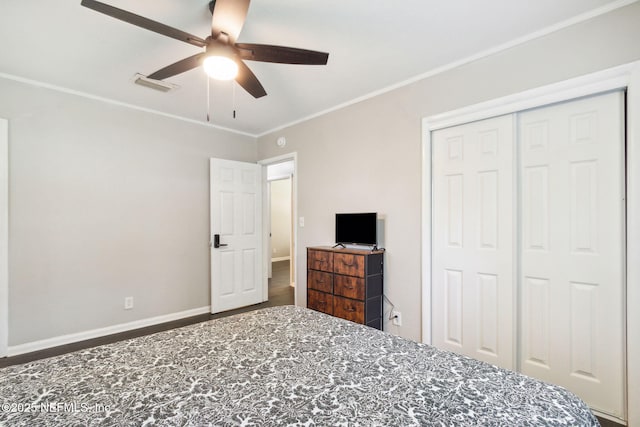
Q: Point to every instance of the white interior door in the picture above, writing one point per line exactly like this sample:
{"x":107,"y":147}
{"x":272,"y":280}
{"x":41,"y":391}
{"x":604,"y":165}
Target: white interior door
{"x":572,"y":248}
{"x":472,"y":229}
{"x":236,"y":217}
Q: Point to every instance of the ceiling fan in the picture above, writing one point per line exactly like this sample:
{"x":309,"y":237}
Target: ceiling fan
{"x":221,"y":49}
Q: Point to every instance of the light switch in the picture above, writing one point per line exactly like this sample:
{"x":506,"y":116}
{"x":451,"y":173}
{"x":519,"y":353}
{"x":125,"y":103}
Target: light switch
{"x":301,"y":221}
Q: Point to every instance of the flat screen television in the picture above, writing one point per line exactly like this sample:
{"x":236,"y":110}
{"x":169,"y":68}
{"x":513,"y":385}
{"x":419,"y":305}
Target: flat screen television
{"x":357,"y":228}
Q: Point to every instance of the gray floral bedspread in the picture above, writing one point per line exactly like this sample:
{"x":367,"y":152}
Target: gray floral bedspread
{"x":277,"y":366}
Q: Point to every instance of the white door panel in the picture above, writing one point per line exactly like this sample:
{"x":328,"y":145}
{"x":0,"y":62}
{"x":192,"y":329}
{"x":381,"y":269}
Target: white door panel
{"x":572,"y":249}
{"x":236,"y":216}
{"x":564,"y":280}
{"x":473,"y":240}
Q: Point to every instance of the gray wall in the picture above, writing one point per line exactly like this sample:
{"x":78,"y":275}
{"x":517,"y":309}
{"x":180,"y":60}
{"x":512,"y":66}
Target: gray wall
{"x":105,"y":202}
{"x":367,"y":157}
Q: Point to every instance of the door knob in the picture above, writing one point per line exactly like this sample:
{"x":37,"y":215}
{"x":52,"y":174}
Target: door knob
{"x":216,"y":241}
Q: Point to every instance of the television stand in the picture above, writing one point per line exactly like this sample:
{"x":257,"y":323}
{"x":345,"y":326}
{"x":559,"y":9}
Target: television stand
{"x":346,"y":283}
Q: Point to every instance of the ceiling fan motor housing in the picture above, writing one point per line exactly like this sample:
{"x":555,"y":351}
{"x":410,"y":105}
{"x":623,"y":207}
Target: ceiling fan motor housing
{"x":212,"y":4}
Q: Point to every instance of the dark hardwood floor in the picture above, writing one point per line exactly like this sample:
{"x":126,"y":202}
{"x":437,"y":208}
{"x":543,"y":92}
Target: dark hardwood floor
{"x":608,"y":423}
{"x":280,"y":293}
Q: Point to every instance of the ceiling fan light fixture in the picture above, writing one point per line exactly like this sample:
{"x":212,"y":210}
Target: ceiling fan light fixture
{"x":220,"y":67}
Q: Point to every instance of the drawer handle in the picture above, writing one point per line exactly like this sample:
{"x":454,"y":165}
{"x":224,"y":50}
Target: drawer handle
{"x":350,"y":309}
{"x":348,"y":286}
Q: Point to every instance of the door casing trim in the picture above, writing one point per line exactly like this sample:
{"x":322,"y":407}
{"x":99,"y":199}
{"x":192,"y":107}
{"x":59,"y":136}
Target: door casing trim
{"x":293,"y":156}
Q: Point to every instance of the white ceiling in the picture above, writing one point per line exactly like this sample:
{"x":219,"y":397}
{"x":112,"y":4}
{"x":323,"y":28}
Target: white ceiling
{"x":373,"y":45}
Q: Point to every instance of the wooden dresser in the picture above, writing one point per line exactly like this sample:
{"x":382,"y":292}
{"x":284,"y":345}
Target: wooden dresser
{"x":346,"y":283}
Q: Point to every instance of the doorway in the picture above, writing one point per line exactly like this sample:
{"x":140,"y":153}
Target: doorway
{"x":285,"y":295}
{"x":280,"y":280}
{"x":280,"y":234}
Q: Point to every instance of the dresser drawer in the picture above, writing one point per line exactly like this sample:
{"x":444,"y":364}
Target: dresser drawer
{"x":320,"y":280}
{"x":349,"y":309}
{"x":320,"y":301}
{"x":349,"y":286}
{"x":349,"y":264}
{"x":320,"y":260}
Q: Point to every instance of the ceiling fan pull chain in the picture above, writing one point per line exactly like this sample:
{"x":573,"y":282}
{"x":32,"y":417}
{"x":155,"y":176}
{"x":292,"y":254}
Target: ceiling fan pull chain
{"x":233,"y":83}
{"x":208,"y":99}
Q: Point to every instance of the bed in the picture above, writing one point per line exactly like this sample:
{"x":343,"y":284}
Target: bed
{"x":277,"y":366}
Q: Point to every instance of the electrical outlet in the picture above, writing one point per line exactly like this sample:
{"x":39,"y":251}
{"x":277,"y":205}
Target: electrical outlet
{"x":396,"y":318}
{"x":128,"y":303}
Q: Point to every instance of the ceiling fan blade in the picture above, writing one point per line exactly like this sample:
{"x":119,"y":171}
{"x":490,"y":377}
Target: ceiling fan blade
{"x":249,"y":81}
{"x":281,"y":54}
{"x":143,"y":22}
{"x":228,"y":17}
{"x":179,"y":67}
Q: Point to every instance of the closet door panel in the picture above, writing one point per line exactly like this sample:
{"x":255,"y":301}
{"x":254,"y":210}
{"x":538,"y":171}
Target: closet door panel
{"x":473,"y":276}
{"x":572,"y":258}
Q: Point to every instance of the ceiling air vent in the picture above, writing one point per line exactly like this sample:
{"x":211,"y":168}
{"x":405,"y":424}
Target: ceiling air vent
{"x":145,"y":81}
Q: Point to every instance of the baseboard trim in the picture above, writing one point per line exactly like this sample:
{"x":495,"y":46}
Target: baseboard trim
{"x":101,"y":332}
{"x":281,"y":258}
{"x":612,"y":418}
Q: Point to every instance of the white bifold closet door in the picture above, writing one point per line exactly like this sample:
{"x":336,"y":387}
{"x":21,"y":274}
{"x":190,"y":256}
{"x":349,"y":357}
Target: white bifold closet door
{"x":528,"y":245}
{"x":572,"y":248}
{"x":473,"y":268}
